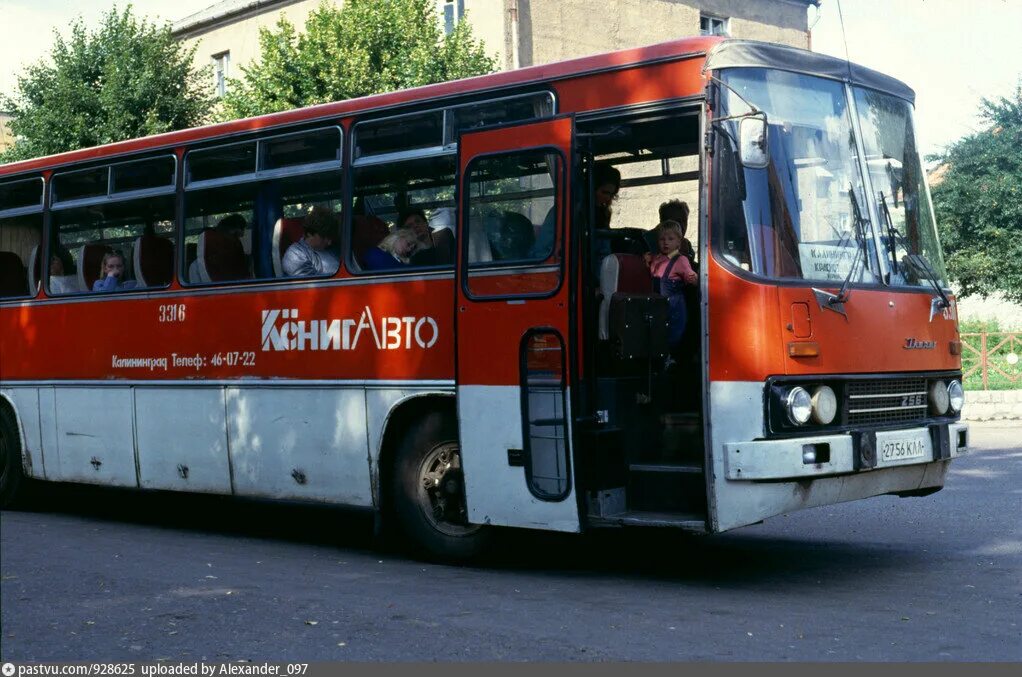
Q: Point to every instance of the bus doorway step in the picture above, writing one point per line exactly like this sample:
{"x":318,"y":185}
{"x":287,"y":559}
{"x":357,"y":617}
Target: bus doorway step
{"x":667,"y":468}
{"x":639,"y":518}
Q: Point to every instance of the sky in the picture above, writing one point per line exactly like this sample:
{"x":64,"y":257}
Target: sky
{"x":952,"y":52}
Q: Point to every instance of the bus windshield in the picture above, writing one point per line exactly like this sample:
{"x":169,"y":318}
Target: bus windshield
{"x":804,"y":215}
{"x":907,"y":227}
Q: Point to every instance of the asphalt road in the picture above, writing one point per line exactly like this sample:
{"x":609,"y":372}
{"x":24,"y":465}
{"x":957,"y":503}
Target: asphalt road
{"x":104,"y":575}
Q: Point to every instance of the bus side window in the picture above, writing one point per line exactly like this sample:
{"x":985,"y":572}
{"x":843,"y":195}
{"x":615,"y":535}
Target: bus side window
{"x":21,"y":228}
{"x":19,"y":240}
{"x":403,"y":177}
{"x":140,"y":232}
{"x":112,"y":227}
{"x":512,"y":207}
{"x":247,"y":203}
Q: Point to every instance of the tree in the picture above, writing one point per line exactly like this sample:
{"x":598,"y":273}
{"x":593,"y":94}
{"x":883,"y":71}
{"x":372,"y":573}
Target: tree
{"x":363,"y":47}
{"x":127,"y":79}
{"x":979,"y":202}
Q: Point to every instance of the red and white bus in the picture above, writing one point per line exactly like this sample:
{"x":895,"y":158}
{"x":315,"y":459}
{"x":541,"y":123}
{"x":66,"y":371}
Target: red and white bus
{"x":522,"y":373}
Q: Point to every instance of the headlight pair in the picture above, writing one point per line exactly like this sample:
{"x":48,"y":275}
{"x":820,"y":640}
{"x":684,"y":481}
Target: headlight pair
{"x":820,"y":406}
{"x":946,"y":397}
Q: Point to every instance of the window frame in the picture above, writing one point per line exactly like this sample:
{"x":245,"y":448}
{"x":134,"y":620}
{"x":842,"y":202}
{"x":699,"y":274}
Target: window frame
{"x":446,"y":145}
{"x":488,"y":268}
{"x":263,"y":174}
{"x":111,"y":196}
{"x":526,"y":390}
{"x":220,"y":78}
{"x":712,"y":19}
{"x":27,"y":209}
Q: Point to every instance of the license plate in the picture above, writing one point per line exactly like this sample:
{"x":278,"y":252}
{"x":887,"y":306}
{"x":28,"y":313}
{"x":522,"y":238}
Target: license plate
{"x":904,"y":449}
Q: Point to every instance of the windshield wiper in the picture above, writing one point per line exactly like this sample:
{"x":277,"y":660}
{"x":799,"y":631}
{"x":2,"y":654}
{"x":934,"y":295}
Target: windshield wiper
{"x":836,"y":302}
{"x":890,"y":234}
{"x":916,"y":261}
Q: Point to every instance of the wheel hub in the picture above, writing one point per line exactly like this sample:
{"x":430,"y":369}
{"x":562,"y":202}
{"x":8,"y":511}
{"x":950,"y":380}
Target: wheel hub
{"x":442,"y":493}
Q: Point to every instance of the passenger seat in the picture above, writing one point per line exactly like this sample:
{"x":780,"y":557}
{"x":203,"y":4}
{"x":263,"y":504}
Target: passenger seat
{"x":285,"y":233}
{"x":366,"y":233}
{"x":621,"y":273}
{"x":90,"y":257}
{"x":13,"y":280}
{"x":221,"y":257}
{"x":154,"y":261}
{"x":33,"y":270}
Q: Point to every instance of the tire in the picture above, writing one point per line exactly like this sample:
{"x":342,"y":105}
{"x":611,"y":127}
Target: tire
{"x":429,"y":492}
{"x":12,"y":480}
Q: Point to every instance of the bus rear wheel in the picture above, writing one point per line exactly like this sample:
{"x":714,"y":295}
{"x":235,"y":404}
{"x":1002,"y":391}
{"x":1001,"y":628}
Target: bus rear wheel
{"x":429,"y":492}
{"x":11,"y":479}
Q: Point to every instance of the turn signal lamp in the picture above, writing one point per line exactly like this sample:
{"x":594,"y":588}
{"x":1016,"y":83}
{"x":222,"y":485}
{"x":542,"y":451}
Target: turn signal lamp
{"x":803,"y":349}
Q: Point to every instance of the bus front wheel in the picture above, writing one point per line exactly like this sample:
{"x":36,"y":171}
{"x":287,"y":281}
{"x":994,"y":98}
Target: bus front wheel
{"x":429,"y":491}
{"x":11,"y":479}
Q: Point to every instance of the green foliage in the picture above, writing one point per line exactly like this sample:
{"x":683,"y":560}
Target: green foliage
{"x":129,"y":78}
{"x":363,"y":47}
{"x":979,"y":203}
{"x":976,"y":326}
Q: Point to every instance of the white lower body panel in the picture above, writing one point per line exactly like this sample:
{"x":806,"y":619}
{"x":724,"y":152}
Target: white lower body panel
{"x":288,"y":441}
{"x":490,"y":421}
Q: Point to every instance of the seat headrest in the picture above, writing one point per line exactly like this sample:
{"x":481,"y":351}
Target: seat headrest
{"x":13,"y":280}
{"x":366,"y":233}
{"x":285,"y":233}
{"x":90,"y":256}
{"x":625,"y":273}
{"x":154,"y":261}
{"x":222,"y":256}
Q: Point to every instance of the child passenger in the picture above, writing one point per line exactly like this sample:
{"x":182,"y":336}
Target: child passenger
{"x":671,"y":271}
{"x":111,"y":271}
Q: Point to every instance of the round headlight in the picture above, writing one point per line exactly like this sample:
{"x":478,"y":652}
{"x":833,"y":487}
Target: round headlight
{"x":824,"y":405}
{"x":938,"y":398}
{"x":799,"y":405}
{"x":956,"y":396}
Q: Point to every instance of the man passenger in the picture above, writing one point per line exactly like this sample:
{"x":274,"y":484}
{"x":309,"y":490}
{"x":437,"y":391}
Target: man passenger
{"x":311,"y":255}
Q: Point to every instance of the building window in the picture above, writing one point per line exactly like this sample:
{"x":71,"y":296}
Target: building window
{"x":454,"y":10}
{"x":221,"y":62}
{"x":712,"y":25}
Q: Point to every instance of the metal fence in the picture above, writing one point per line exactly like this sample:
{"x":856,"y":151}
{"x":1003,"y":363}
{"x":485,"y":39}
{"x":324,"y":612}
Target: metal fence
{"x":991,"y":360}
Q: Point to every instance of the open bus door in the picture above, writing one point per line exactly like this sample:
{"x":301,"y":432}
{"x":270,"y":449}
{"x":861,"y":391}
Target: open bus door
{"x":513,"y":324}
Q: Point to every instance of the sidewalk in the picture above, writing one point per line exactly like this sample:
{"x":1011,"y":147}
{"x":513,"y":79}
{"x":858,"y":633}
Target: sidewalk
{"x":995,"y":435}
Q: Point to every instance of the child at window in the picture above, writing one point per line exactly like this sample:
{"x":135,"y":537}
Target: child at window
{"x":671,"y":271}
{"x":111,"y":270}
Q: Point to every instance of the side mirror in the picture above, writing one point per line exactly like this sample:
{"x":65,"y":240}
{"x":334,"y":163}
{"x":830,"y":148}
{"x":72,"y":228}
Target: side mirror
{"x":753,"y":133}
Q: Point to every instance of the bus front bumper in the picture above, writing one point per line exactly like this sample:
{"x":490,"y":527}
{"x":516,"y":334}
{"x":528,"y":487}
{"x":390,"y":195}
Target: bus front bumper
{"x":822,"y":455}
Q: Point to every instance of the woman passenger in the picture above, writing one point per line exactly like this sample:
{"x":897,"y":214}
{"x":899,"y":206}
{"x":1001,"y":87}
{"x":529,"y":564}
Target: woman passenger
{"x":394,"y":251}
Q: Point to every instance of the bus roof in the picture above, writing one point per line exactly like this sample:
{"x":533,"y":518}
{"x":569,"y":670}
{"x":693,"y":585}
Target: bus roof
{"x":696,"y":46}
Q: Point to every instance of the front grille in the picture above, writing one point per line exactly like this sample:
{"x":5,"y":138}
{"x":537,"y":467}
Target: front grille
{"x":884,"y":401}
